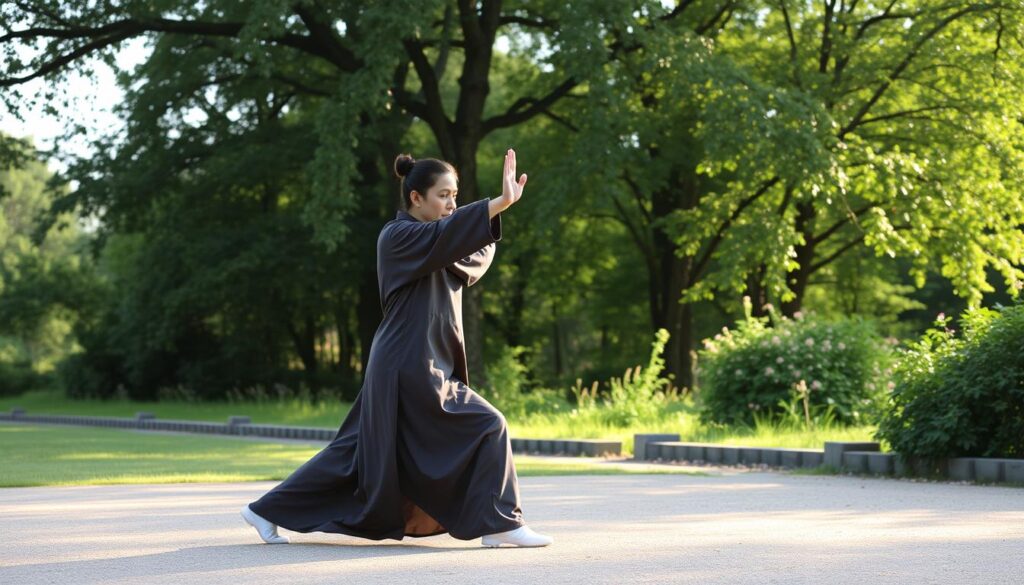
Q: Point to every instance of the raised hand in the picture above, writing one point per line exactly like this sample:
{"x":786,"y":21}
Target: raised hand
{"x":511,"y":190}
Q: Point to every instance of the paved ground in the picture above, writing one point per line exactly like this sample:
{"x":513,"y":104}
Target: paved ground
{"x":730,"y":527}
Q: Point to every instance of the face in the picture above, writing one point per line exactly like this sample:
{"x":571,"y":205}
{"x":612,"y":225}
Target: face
{"x":439,"y":201}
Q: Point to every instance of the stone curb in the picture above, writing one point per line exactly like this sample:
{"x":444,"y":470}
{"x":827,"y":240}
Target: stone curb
{"x":242,"y":425}
{"x":862,"y":458}
{"x":727,"y":454}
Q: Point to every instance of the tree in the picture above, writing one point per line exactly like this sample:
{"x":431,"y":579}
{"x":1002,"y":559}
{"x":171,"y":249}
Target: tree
{"x":923,"y":104}
{"x":44,"y":288}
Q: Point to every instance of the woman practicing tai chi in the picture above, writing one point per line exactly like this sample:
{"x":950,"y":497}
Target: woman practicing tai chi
{"x":420,"y":453}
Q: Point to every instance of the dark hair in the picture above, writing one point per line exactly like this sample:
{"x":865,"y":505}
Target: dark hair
{"x":419,"y":175}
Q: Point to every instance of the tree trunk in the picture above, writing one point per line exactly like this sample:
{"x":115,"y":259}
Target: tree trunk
{"x":797,"y":279}
{"x":472,"y":302}
{"x":757,"y":292}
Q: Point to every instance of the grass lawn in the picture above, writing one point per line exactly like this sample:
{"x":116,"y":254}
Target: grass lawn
{"x":36,"y":455}
{"x":681,"y":419}
{"x":286,"y":412}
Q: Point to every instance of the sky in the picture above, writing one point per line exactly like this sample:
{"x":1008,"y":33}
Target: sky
{"x":91,"y":98}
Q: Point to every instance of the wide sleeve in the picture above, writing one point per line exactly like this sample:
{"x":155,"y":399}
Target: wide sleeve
{"x":471,"y":268}
{"x":410,"y":250}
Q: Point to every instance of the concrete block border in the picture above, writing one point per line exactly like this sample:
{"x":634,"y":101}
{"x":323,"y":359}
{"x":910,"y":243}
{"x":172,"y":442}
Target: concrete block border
{"x":242,"y":425}
{"x":729,"y":454}
{"x":862,"y":458}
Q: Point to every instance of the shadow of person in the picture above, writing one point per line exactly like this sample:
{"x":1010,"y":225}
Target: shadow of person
{"x":223,"y":558}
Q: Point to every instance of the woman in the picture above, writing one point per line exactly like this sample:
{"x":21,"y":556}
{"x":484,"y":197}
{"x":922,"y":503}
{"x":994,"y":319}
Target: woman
{"x":420,"y":453}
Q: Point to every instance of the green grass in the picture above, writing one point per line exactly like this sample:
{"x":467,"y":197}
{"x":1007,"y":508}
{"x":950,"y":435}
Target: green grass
{"x":679,"y":418}
{"x":683,"y":420}
{"x":283,"y":412}
{"x":55,"y":455}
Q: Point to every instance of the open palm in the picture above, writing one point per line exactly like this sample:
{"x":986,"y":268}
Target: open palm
{"x":511,"y":189}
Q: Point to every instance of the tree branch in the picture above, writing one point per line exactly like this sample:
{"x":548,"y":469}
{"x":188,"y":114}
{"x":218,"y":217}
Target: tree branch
{"x":432,"y":110}
{"x":828,"y":259}
{"x":839,"y":224}
{"x":904,"y":63}
{"x":516,"y":114}
{"x":713,"y":244}
{"x":111,"y":34}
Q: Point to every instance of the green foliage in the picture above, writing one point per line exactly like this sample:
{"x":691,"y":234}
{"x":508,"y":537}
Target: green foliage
{"x":506,"y":389}
{"x":767,"y":370}
{"x":19,"y":377}
{"x":638,"y":396}
{"x":961,"y":396}
{"x":253,"y":173}
{"x":47,"y":281}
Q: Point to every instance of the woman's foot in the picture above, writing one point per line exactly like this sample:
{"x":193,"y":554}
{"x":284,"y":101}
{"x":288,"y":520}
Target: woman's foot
{"x":266,"y":528}
{"x":521,"y":536}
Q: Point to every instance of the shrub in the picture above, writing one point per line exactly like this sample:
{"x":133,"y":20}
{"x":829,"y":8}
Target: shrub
{"x":505,"y":390}
{"x":961,"y":396}
{"x":763,"y":370}
{"x":19,"y":377}
{"x":634,"y":398}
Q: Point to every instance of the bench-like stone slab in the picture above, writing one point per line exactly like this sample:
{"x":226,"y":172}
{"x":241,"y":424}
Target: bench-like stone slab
{"x":834,"y":451}
{"x":642,"y":440}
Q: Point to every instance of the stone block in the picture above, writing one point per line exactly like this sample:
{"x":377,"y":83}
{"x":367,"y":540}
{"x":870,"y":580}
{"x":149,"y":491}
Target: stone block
{"x":17,"y":412}
{"x":1013,"y":470}
{"x":672,"y":451}
{"x":730,"y":455}
{"x":834,"y":451}
{"x":679,"y":451}
{"x":695,"y":452}
{"x":144,"y":416}
{"x":988,"y":469}
{"x":880,"y":463}
{"x":960,"y":468}
{"x":238,"y":419}
{"x":641,"y":440}
{"x":811,"y":458}
{"x":750,"y":455}
{"x":855,"y":461}
{"x":791,"y":458}
{"x":772,"y":457}
{"x":597,"y":448}
{"x":713,"y":454}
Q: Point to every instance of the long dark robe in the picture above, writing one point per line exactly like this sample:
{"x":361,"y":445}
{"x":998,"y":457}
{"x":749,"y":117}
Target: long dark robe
{"x":420,"y":453}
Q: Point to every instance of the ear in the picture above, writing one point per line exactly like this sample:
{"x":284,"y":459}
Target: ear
{"x":415,"y":197}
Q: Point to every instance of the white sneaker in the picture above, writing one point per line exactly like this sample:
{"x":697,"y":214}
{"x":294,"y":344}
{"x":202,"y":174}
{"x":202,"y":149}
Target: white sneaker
{"x":521,"y":536}
{"x":266,"y":528}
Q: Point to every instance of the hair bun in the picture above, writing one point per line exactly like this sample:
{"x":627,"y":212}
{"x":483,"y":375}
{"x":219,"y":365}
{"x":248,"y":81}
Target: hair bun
{"x":403,"y":165}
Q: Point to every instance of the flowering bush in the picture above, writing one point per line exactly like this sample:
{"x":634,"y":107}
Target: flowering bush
{"x":835,"y":366}
{"x":961,"y":396}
